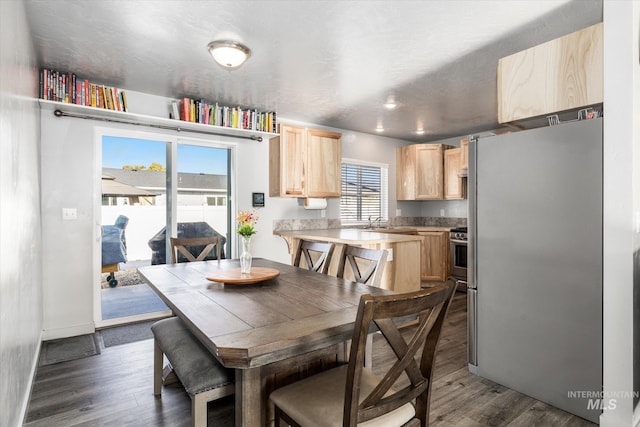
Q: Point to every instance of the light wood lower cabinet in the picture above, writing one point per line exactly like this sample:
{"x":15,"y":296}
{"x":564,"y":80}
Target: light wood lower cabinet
{"x":402,"y":272}
{"x":435,"y":255}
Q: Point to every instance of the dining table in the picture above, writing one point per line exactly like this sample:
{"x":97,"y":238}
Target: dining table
{"x":260,"y":328}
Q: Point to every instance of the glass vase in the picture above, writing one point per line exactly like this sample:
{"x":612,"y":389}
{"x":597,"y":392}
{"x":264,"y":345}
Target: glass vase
{"x":245,"y":256}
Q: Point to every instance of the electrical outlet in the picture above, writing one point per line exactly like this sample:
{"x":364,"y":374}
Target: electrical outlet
{"x":69,"y":214}
{"x":442,"y":212}
{"x":390,"y":254}
{"x":398,"y":212}
{"x":323,"y":213}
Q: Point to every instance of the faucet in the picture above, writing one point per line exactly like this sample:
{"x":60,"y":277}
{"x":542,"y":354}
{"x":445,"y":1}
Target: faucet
{"x":378,"y":219}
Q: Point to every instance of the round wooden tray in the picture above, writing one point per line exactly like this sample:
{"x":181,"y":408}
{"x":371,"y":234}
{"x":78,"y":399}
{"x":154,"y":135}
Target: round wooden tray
{"x":233,"y":276}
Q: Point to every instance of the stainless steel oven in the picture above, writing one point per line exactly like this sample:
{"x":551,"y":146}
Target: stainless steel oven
{"x":458,"y":238}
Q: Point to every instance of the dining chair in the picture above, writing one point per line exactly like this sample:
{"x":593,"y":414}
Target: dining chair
{"x":352,"y":394}
{"x":321,"y":252}
{"x":194,"y":248}
{"x":372,"y":261}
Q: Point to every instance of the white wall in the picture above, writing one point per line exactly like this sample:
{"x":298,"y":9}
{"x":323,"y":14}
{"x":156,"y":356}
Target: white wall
{"x":20,"y":254}
{"x":621,"y":205}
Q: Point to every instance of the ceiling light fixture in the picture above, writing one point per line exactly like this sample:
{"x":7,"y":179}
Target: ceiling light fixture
{"x":379,"y":129}
{"x":391,"y":103}
{"x":228,"y":53}
{"x":420,"y":132}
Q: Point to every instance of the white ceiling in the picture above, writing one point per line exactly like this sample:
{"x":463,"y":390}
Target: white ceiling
{"x":332,"y":63}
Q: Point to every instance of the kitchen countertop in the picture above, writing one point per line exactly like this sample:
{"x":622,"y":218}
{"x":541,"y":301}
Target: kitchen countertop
{"x":351,"y":235}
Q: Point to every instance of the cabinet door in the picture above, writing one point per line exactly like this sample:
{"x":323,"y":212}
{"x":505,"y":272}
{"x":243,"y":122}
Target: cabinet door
{"x":405,"y":173}
{"x":453,"y":188}
{"x":429,"y":172}
{"x":464,"y":155}
{"x":562,"y":74}
{"x":324,"y":164}
{"x":435,"y":255}
{"x":293,"y":154}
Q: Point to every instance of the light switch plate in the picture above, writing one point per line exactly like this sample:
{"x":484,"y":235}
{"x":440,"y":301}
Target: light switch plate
{"x":69,"y":214}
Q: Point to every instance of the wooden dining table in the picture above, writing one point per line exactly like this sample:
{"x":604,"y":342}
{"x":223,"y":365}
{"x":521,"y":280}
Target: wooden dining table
{"x":262,"y":328}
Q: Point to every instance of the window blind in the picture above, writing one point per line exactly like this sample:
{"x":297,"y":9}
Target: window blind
{"x":364,"y":191}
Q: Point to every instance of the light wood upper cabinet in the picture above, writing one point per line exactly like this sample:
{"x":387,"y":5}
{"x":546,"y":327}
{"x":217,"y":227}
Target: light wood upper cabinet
{"x":430,"y":171}
{"x":405,"y":173}
{"x":420,"y":172}
{"x":464,"y":156}
{"x":435,"y":255}
{"x":324,"y":160}
{"x":305,"y":163}
{"x":563,"y":74}
{"x":453,"y":185}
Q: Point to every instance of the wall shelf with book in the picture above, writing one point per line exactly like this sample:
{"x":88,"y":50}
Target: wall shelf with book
{"x":199,"y":111}
{"x":66,"y":97}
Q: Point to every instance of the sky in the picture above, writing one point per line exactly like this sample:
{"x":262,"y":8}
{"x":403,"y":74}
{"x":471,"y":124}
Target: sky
{"x":117,"y":152}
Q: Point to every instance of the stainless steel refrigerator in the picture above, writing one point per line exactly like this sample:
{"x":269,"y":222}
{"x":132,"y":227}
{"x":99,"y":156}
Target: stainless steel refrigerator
{"x":535,"y":300}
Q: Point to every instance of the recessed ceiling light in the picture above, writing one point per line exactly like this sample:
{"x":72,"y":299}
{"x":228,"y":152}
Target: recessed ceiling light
{"x":390,"y":105}
{"x":379,"y":129}
{"x":420,"y":131}
{"x":228,"y":53}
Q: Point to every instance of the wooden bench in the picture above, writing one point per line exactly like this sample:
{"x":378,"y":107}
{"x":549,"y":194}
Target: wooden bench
{"x":202,"y":376}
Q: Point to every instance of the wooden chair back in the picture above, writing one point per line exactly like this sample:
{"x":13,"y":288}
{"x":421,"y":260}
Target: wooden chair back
{"x":357,"y":257}
{"x":194,"y":248}
{"x":431,"y":305}
{"x":322,"y":252}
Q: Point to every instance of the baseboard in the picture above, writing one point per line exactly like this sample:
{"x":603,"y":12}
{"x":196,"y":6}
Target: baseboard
{"x":32,"y":380}
{"x":120,"y":321}
{"x":71,"y":331}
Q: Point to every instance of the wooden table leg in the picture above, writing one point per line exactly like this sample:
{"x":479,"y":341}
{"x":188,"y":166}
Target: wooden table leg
{"x":250,"y":404}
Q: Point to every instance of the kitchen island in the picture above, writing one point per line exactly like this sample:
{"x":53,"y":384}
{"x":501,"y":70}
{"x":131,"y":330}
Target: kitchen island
{"x":402,"y":271}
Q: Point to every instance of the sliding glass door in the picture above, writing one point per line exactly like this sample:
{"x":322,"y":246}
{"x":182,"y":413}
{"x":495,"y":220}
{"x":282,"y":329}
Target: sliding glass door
{"x":202,"y":203}
{"x":153,"y":190}
{"x":133,"y":217}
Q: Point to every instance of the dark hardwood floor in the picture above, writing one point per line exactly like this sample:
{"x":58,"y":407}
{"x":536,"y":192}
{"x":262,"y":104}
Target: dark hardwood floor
{"x":115,"y":388}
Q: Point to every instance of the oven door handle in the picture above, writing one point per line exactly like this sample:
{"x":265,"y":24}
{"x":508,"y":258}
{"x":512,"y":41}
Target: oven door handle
{"x":459,"y":241}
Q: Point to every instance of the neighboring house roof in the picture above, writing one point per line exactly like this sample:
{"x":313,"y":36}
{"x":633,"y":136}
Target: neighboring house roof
{"x":111,"y":187}
{"x":157,"y":180}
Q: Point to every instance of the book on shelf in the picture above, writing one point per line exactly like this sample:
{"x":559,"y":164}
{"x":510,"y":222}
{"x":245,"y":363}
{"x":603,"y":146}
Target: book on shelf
{"x":123,"y":94}
{"x":200,"y":111}
{"x":65,"y":87}
{"x":175,"y":112}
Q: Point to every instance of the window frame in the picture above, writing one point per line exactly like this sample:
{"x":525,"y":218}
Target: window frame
{"x":384,"y":189}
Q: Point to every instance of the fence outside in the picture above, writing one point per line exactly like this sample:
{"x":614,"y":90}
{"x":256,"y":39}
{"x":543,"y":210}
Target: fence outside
{"x":146,"y":221}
